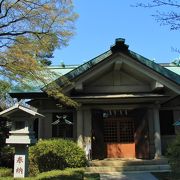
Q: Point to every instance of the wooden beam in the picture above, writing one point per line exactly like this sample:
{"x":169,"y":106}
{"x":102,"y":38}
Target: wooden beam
{"x":156,"y":86}
{"x":79,"y":86}
{"x":117,"y":89}
{"x":117,"y":65}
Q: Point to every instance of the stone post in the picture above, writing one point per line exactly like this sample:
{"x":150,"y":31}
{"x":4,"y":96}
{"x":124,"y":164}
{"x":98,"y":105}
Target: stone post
{"x":21,"y":162}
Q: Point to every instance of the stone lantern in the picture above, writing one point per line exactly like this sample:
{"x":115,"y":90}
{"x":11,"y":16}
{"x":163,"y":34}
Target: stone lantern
{"x":21,"y":118}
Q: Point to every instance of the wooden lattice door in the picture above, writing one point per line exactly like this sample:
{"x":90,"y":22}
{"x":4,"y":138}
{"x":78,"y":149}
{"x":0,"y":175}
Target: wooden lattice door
{"x":119,"y":137}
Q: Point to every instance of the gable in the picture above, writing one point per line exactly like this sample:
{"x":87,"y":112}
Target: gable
{"x":124,"y":67}
{"x":118,"y":75}
{"x":117,"y":79}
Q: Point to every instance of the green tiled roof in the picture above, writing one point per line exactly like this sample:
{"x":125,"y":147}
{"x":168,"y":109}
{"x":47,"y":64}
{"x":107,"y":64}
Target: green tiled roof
{"x":174,"y":69}
{"x":84,"y":67}
{"x":60,"y":70}
{"x":156,"y":67}
{"x":121,"y":47}
{"x":37,"y":87}
{"x":71,"y":72}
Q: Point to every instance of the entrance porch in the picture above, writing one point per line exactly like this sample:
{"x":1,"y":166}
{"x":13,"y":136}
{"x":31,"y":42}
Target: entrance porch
{"x":120,"y":132}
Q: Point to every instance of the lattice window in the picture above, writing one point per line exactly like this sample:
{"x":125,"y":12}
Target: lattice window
{"x":119,"y":130}
{"x":110,"y":131}
{"x":125,"y":130}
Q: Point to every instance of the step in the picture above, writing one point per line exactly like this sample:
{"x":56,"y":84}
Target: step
{"x":144,"y":168}
{"x":123,"y":162}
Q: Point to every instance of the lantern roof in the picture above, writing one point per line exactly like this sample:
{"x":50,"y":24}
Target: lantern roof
{"x":21,"y":107}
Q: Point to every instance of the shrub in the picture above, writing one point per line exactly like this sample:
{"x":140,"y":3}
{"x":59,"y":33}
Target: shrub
{"x":173,"y":154}
{"x":53,"y":154}
{"x":6,"y":153}
{"x":7,"y":157}
{"x":68,"y":174}
{"x":4,"y":172}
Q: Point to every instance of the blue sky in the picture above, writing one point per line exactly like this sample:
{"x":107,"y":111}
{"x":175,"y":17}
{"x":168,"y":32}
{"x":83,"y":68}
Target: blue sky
{"x":100,"y":22}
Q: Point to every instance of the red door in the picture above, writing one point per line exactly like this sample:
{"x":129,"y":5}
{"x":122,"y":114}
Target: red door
{"x":119,"y":137}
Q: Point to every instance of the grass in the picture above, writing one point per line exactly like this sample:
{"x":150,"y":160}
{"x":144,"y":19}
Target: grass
{"x":67,"y":174}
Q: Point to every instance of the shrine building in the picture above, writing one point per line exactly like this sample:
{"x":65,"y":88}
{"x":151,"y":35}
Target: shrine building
{"x":128,"y":105}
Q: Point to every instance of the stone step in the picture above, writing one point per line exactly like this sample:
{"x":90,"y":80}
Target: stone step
{"x":144,"y":168}
{"x":121,"y":162}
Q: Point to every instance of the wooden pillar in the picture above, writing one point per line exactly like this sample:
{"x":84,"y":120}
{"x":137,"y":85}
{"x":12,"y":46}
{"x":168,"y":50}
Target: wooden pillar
{"x":80,"y":128}
{"x":47,"y":126}
{"x":157,"y":134}
{"x":151,"y":133}
{"x":87,"y":133}
{"x":40,"y":128}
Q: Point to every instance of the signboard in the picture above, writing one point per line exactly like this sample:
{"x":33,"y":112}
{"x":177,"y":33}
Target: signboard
{"x":19,"y":166}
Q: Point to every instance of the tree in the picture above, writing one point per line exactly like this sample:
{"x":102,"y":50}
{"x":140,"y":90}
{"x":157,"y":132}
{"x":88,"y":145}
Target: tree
{"x":167,"y":12}
{"x":30,"y":30}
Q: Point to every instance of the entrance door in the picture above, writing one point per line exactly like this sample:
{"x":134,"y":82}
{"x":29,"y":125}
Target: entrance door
{"x":98,"y":146}
{"x":119,"y":137}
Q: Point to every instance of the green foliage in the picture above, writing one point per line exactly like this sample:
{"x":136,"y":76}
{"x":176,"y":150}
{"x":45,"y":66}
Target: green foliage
{"x":7,"y":157}
{"x":67,"y":174}
{"x":4,"y":172}
{"x":30,"y":31}
{"x":54,"y":90}
{"x":3,"y":132}
{"x":54,"y":154}
{"x":6,"y":153}
{"x":173,"y":155}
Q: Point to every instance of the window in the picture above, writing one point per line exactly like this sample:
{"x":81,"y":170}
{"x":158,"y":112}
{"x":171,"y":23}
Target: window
{"x":166,"y":122}
{"x":62,"y":125}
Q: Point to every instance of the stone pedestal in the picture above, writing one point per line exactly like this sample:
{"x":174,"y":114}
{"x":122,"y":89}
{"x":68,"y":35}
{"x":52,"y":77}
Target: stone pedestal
{"x":21,"y":161}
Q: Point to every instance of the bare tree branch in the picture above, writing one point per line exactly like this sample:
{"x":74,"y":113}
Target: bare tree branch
{"x":167,"y":12}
